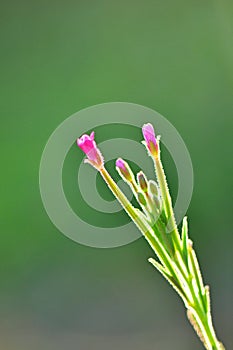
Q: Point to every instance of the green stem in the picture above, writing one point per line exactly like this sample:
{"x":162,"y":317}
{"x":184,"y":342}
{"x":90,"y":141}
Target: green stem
{"x":204,"y":321}
{"x":141,"y":223}
{"x":129,"y":208}
{"x":200,"y":311}
{"x":202,"y":316}
{"x":194,"y":296}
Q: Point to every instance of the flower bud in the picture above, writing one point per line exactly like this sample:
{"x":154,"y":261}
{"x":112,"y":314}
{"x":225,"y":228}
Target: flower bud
{"x":150,"y":139}
{"x":141,"y":198}
{"x":124,"y":169}
{"x":153,"y":188}
{"x":142,"y":181}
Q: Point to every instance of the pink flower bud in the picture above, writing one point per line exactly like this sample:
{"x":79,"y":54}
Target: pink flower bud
{"x":123,"y":169}
{"x":88,"y":146}
{"x":150,"y":139}
{"x":121,"y":164}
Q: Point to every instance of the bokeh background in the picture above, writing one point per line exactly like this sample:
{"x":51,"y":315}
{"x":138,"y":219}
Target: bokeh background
{"x":58,"y":57}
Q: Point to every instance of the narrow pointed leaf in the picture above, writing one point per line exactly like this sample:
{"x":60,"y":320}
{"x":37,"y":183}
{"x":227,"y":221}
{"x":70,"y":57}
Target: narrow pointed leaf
{"x":185,"y":241}
{"x":170,"y":279}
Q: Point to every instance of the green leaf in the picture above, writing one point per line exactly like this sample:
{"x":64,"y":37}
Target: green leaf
{"x":196,"y":272}
{"x":207,"y":299}
{"x":170,"y":279}
{"x":184,"y":237}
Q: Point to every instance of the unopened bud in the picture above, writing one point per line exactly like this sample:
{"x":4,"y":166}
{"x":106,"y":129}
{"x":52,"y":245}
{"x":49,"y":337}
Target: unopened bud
{"x":141,"y":198}
{"x":142,"y":181}
{"x":124,"y":169}
{"x":153,"y":188}
{"x":150,"y":139}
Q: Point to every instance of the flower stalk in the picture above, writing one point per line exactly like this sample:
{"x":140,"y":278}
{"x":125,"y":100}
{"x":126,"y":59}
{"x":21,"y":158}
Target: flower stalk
{"x":177,"y":259}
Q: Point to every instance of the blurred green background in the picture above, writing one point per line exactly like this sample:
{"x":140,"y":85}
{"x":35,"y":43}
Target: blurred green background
{"x":58,"y":57}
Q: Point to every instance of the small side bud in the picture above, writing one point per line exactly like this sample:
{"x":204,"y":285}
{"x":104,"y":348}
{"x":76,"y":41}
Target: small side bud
{"x":124,"y":170}
{"x":153,"y":188}
{"x":141,"y":199}
{"x":142,"y":181}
